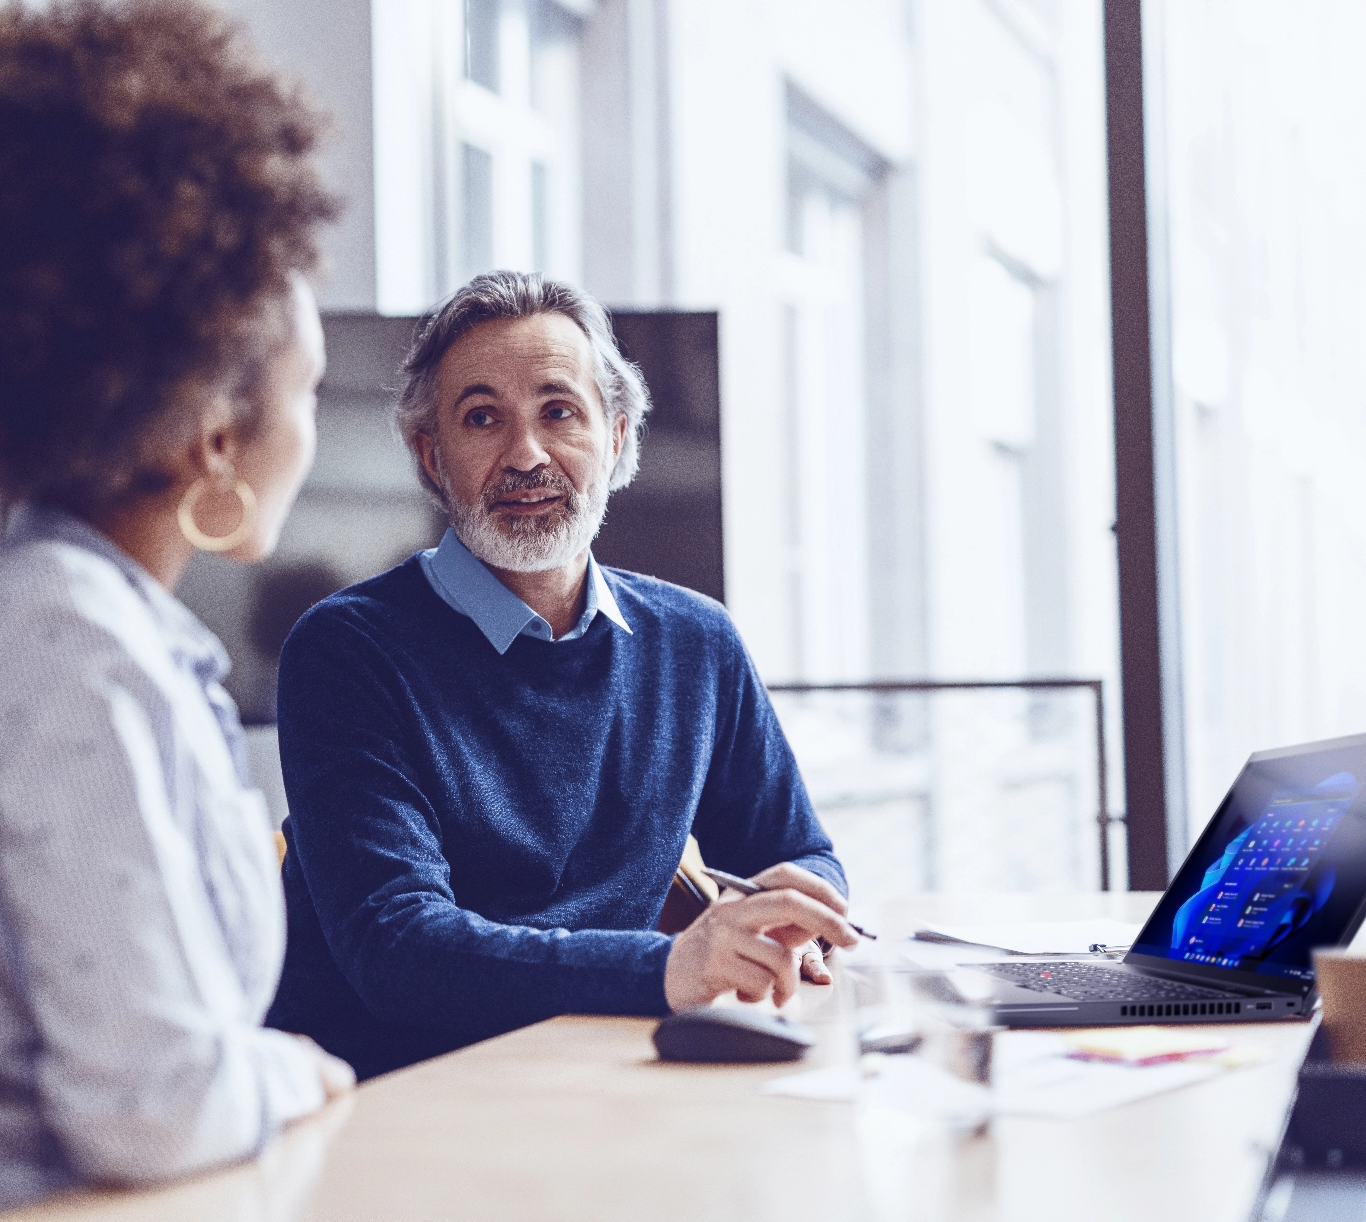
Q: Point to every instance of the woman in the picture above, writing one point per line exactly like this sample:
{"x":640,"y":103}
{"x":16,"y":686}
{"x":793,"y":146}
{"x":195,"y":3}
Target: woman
{"x":159,"y":353}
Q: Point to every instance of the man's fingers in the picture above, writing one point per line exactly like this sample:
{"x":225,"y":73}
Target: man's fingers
{"x":747,"y":944}
{"x":750,"y":979}
{"x":780,"y":963}
{"x":782,"y":968}
{"x":793,"y":936}
{"x":794,"y":915}
{"x":813,"y":966}
{"x":785,"y":874}
{"x":758,"y":965}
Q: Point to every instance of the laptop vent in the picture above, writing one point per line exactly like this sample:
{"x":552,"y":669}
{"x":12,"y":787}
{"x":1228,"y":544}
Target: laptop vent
{"x":1181,"y":1009}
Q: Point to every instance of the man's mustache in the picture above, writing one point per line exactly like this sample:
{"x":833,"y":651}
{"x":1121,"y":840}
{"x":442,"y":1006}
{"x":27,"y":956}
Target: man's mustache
{"x":524,"y":481}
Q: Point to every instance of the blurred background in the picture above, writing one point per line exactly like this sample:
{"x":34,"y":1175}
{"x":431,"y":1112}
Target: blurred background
{"x":861,"y":252}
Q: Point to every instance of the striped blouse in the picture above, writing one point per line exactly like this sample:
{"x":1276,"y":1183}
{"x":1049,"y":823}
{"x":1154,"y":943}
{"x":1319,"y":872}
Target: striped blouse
{"x":141,"y":918}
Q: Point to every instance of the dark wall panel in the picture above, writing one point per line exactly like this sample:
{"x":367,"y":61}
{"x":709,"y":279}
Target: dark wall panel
{"x":668,"y":522}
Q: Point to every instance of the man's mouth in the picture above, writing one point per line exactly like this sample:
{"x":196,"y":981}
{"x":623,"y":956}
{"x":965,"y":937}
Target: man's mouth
{"x":528,"y":503}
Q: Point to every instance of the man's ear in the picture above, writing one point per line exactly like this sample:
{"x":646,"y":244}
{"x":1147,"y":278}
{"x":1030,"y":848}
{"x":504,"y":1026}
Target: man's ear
{"x":619,"y":427}
{"x":425,"y":445}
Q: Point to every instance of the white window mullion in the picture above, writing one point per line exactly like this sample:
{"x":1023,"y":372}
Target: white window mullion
{"x":457,"y":138}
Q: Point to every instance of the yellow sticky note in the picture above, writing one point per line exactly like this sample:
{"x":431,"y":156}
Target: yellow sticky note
{"x":1145,"y":1045}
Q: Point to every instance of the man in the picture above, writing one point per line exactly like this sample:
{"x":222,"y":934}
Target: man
{"x":494,"y":753}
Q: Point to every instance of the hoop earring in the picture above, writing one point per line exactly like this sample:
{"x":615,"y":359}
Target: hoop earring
{"x":216,"y":543}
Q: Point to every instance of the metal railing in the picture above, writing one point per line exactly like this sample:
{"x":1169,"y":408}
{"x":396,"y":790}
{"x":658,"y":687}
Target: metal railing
{"x":1104,"y":819}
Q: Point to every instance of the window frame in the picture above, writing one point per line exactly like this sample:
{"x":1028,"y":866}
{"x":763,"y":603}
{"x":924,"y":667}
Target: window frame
{"x":1145,"y":511}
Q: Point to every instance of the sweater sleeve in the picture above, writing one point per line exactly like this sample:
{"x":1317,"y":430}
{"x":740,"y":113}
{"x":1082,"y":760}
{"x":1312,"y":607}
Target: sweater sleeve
{"x":754,"y":811}
{"x":369,"y":845}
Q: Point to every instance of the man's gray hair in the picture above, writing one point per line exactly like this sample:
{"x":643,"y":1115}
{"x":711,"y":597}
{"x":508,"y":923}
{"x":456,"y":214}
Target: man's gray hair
{"x":503,"y":294}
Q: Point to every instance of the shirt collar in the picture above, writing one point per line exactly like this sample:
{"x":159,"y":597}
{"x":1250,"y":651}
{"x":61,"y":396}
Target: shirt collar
{"x":467,"y":585}
{"x":189,"y":641}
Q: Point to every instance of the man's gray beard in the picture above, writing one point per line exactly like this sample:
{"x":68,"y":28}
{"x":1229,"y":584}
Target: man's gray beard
{"x":535,"y":544}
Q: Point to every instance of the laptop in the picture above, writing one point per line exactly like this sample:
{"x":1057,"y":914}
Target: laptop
{"x":1279,"y":870}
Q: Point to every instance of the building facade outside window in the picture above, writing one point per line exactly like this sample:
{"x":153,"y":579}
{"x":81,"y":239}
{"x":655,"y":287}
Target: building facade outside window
{"x":1258,"y":132}
{"x":477,"y":163}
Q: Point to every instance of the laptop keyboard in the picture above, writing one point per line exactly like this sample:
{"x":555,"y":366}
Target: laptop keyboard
{"x":1094,"y":982}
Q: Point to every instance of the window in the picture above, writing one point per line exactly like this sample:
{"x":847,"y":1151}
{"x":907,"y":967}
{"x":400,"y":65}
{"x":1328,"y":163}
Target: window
{"x":1265,"y":193}
{"x":540,"y":215}
{"x":829,"y":179}
{"x":476,"y":211}
{"x":476,"y":144}
{"x":1001,"y":397}
{"x":482,"y":21}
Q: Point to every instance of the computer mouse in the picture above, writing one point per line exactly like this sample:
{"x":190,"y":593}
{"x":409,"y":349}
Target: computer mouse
{"x":721,"y":1034}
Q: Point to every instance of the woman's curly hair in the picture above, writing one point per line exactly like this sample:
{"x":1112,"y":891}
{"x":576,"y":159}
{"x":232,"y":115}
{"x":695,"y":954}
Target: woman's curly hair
{"x":157,"y":191}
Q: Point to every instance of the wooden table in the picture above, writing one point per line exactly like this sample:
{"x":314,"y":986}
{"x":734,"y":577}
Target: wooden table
{"x":575,"y":1119}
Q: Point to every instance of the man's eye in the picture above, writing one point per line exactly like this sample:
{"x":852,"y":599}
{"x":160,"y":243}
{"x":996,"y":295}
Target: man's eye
{"x":558,"y":411}
{"x":479,"y":418}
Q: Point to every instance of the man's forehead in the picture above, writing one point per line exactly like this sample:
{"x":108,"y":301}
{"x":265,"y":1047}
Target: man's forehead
{"x":516,"y":347}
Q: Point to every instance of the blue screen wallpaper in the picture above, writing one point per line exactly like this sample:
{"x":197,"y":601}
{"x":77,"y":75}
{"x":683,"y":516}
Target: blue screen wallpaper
{"x":1280,"y":870}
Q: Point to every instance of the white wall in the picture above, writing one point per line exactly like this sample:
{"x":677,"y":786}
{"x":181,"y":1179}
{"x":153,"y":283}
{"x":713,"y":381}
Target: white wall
{"x":728,"y":65}
{"x":325,"y":44}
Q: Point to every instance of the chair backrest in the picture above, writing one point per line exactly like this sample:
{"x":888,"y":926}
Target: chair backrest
{"x":689,"y":893}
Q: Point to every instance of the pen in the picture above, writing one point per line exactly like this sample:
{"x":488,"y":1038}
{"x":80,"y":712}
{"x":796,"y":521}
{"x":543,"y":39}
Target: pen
{"x":745,"y":887}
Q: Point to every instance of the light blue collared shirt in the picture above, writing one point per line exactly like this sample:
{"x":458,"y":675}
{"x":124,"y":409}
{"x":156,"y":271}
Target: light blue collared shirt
{"x":466,"y":584}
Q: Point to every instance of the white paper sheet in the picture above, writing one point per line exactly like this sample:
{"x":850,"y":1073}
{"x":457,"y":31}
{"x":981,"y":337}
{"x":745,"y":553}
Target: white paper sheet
{"x":1063,"y":1089}
{"x":1032,"y":1076}
{"x":1040,"y":937}
{"x":913,"y":1085}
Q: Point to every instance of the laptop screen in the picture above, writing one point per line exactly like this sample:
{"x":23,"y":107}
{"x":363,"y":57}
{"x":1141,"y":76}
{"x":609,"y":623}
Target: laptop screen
{"x":1280,"y":869}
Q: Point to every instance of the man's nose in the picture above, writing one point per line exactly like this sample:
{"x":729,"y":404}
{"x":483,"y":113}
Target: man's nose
{"x":524,"y":450}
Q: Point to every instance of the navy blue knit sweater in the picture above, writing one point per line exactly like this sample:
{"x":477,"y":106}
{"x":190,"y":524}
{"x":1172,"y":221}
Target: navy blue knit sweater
{"x":477,"y":842}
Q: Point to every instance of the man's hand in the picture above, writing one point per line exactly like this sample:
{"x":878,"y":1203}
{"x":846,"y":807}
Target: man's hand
{"x":751,"y":943}
{"x":785,"y":874}
{"x":813,"y":964}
